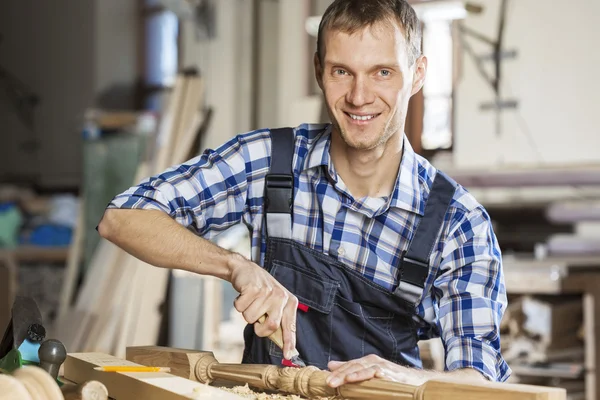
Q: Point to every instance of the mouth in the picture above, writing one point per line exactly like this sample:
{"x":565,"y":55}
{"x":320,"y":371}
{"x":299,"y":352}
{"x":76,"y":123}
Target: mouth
{"x":361,"y":119}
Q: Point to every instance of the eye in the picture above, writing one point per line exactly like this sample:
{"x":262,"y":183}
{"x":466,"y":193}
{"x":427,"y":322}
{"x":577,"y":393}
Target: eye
{"x":385,"y":72}
{"x":339,"y":71}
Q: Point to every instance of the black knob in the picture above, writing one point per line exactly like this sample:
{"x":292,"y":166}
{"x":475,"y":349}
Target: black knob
{"x":52,"y":354}
{"x":36,"y":333}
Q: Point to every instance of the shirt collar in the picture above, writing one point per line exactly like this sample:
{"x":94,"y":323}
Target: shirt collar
{"x":319,"y":152}
{"x":408,"y":191}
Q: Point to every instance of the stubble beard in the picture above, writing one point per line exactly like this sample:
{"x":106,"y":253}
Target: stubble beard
{"x":384,"y":135}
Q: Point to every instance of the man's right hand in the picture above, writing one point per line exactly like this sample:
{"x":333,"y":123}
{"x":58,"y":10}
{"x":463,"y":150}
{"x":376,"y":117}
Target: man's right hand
{"x":261,"y":294}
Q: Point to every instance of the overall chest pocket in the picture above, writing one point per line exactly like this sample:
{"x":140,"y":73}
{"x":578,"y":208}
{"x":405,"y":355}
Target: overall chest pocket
{"x":336,"y":328}
{"x":313,"y":327}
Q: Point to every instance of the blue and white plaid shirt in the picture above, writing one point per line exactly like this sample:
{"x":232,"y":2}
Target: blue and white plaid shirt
{"x":464,"y":297}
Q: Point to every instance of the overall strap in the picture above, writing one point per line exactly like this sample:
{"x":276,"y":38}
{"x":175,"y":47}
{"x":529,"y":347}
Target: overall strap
{"x":414,"y":264}
{"x":279,"y":185}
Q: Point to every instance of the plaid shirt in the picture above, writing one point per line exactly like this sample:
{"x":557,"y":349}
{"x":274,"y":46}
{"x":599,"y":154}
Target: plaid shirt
{"x":464,"y":297}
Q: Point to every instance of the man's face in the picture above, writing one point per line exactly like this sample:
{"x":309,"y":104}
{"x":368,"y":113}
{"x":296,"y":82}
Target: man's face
{"x":367,"y":82}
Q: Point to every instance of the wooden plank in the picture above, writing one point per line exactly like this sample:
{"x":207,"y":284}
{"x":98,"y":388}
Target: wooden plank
{"x":152,"y":286}
{"x":72,"y":268}
{"x":453,"y":390}
{"x":88,"y":336}
{"x":572,"y":262}
{"x":34,"y":254}
{"x":101,"y":337}
{"x":515,"y":176}
{"x":181,"y":361}
{"x":79,"y":368}
{"x":131,"y":306}
{"x":543,"y":281}
{"x":169,"y":123}
{"x":75,"y":324}
{"x":552,"y":275}
{"x":211,"y":311}
{"x":153,"y":290}
{"x":189,"y":121}
{"x":155,"y":280}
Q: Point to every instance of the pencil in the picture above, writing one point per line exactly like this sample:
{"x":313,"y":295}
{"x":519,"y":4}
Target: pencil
{"x":131,"y":368}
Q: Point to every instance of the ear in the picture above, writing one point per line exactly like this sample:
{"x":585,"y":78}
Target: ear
{"x":419,"y":74}
{"x":318,"y":70}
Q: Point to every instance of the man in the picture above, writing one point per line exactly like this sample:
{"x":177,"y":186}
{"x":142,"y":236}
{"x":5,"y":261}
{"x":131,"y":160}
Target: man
{"x":360,"y":247}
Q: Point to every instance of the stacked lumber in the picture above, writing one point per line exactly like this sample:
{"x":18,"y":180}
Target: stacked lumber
{"x":120,"y":300}
{"x":542,"y":341}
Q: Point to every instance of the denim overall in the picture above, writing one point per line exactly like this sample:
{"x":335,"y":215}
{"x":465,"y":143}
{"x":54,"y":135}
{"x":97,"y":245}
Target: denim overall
{"x":342,"y":315}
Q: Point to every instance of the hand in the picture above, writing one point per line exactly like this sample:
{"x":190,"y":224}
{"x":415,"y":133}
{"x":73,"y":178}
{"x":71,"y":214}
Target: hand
{"x":370,"y":367}
{"x":261,"y":294}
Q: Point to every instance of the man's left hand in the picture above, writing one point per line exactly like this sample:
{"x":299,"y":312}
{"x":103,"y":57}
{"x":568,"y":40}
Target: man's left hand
{"x":373,"y":366}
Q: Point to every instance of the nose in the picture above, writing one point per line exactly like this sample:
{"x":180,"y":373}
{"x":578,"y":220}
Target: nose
{"x":360,"y":93}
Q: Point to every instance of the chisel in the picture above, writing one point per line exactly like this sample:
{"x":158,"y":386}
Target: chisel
{"x":277,"y":338}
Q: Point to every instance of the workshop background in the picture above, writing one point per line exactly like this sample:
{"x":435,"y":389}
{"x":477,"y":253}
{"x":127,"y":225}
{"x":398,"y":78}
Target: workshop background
{"x":95,"y":95}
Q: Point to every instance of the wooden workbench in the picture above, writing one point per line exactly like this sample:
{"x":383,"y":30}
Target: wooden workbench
{"x":555,"y":276}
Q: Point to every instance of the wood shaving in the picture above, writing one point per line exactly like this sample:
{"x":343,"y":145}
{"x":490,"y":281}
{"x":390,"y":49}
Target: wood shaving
{"x":246,"y":392}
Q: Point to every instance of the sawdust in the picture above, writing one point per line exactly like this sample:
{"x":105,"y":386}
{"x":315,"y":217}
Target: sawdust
{"x":246,"y":392}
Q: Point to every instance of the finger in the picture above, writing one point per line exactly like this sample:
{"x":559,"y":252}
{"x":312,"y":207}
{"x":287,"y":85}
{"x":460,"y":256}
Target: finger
{"x":256,"y":310}
{"x":363,"y":374}
{"x":345,"y":368}
{"x":266,"y":328}
{"x":247,"y":296}
{"x":340,"y":376}
{"x":334,"y":365}
{"x":382,"y":375}
{"x":273,"y":307}
{"x":288,"y":326}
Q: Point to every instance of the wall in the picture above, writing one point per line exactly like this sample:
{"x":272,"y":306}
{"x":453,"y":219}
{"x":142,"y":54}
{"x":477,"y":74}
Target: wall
{"x":48,"y":46}
{"x":117,"y":53}
{"x":226,"y":64}
{"x":71,"y":53}
{"x":554,"y":78}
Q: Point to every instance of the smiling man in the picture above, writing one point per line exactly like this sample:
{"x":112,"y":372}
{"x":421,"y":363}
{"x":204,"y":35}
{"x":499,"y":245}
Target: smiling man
{"x":360,"y":247}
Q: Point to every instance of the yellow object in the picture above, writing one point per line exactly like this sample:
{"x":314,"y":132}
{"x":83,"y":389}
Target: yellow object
{"x":129,"y":368}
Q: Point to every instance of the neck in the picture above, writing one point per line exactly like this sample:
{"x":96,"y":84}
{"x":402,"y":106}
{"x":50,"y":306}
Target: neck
{"x":367,"y":173}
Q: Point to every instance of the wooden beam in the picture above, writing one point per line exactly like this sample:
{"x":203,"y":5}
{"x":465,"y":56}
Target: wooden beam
{"x":79,"y":368}
{"x":72,"y":268}
{"x":310,"y":381}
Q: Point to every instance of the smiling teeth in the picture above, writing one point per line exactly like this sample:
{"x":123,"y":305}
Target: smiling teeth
{"x":361,"y":118}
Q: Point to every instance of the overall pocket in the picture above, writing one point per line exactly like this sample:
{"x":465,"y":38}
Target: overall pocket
{"x":363,"y":330}
{"x":313,"y":327}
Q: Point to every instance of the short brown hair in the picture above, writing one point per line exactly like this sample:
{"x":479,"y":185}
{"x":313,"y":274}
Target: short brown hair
{"x":351,"y":15}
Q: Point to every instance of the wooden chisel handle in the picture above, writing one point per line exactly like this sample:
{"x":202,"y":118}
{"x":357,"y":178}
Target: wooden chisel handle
{"x":277,"y":336}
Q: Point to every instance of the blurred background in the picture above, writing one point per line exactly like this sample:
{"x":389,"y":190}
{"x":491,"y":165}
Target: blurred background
{"x":95,"y":95}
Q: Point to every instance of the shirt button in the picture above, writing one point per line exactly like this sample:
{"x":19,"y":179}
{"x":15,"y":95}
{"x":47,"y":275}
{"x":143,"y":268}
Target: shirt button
{"x":341,"y":251}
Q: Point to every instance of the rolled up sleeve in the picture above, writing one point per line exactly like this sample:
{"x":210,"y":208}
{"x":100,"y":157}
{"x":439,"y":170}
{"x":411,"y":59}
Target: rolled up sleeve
{"x":473,"y":297}
{"x":207,"y":193}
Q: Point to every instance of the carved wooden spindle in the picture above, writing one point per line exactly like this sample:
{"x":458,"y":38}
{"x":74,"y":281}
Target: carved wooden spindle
{"x":207,"y":369}
{"x":310,"y":381}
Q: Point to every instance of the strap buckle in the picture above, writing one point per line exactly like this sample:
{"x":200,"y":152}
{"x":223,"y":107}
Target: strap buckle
{"x":278,"y":193}
{"x":413,"y":271}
